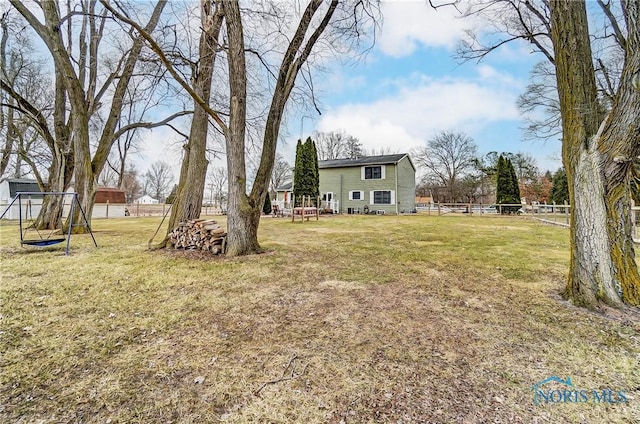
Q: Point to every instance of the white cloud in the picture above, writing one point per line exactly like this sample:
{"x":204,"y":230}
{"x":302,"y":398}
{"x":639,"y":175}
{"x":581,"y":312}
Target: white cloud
{"x":160,"y":144}
{"x":410,"y":24}
{"x":422,"y":106}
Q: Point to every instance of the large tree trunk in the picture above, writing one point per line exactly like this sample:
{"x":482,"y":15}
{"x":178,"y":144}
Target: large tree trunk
{"x":620,"y":148}
{"x":243,"y":214}
{"x":86,"y":181}
{"x":244,"y":210}
{"x":50,"y":215}
{"x":602,"y":256}
{"x":62,"y":163}
{"x":193,"y":172}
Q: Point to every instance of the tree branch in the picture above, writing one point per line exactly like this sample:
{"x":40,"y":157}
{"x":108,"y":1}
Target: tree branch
{"x":163,"y":58}
{"x":285,"y":375}
{"x":150,"y":125}
{"x":618,"y":34}
{"x":31,"y":111}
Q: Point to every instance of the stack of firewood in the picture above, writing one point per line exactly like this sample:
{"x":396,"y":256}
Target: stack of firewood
{"x":199,"y":234}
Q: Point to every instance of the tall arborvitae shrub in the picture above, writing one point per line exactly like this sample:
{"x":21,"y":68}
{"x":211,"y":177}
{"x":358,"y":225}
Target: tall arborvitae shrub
{"x":560,"y":187}
{"x":298,"y":174}
{"x":312,"y":160}
{"x":515,"y":189}
{"x":306,"y":177}
{"x":507,"y":190}
{"x":502,"y":182}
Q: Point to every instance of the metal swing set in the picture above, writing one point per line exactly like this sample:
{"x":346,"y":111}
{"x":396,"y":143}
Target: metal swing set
{"x":52,"y":238}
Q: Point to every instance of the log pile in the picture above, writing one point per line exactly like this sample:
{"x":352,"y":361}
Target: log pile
{"x":199,"y":234}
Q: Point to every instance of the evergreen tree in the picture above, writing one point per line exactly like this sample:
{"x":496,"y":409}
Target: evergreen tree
{"x":312,"y":158}
{"x":515,"y":189}
{"x":560,"y":187}
{"x":502,"y":181}
{"x":306,"y":176}
{"x":266,"y":209}
{"x":298,"y":174}
{"x":507,"y":190}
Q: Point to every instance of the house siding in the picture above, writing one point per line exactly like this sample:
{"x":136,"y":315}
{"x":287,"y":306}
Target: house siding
{"x":343,"y":180}
{"x":406,"y":195}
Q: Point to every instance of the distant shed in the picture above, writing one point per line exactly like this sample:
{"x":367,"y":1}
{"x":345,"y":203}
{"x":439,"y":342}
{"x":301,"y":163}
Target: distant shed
{"x":110,"y":203}
{"x":110,"y":195}
{"x":8,"y":190}
{"x":11,"y":186}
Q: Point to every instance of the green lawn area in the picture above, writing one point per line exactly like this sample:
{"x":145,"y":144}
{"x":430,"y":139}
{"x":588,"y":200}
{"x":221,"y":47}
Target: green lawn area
{"x":354,"y":319}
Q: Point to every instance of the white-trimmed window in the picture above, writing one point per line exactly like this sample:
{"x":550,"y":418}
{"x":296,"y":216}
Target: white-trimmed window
{"x":383,"y":197}
{"x":373,"y":172}
{"x":356,"y":195}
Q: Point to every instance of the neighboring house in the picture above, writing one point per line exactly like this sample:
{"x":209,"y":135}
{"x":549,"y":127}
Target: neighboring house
{"x":284,"y":193}
{"x":146,"y":200}
{"x":8,"y":190}
{"x":385,"y":184}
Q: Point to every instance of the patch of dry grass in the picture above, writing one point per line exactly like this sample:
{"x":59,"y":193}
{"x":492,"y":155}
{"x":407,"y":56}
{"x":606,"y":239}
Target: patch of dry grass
{"x":347,"y":319}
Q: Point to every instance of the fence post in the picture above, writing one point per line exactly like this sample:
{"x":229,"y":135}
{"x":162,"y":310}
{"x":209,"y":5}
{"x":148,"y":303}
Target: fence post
{"x":137,"y":209}
{"x":566,"y":212}
{"x":107,"y":211}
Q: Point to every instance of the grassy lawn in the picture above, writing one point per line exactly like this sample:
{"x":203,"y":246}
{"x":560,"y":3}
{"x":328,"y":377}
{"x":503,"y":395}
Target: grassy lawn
{"x":354,"y":319}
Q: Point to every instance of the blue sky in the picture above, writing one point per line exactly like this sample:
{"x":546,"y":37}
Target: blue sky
{"x":409,"y":88}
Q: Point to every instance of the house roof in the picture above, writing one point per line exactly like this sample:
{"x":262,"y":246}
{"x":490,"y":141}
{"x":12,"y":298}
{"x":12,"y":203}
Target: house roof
{"x":111,"y":195}
{"x":23,"y":185}
{"x":22,"y":180}
{"x":363,"y":161}
{"x":285,"y":187}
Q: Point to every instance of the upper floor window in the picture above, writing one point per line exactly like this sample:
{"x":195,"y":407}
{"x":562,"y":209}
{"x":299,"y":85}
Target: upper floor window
{"x":373,"y":172}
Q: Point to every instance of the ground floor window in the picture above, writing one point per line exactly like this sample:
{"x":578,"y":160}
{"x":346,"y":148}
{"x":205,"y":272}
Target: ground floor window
{"x":356,"y":195}
{"x":382,"y":197}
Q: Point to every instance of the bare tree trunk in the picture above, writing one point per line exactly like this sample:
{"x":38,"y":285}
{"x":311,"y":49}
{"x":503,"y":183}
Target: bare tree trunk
{"x":86,"y":181}
{"x":602,"y":266}
{"x":62,"y":163}
{"x":50,"y":215}
{"x":244,"y":211}
{"x":5,"y":121}
{"x":620,"y":146}
{"x":193,"y":172}
{"x":242,"y":214}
